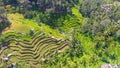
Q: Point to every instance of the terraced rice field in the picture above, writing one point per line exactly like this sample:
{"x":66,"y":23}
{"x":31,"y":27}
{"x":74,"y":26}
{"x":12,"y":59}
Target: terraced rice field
{"x":31,"y":53}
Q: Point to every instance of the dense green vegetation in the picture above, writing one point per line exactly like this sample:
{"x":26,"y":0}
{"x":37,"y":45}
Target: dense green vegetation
{"x":90,"y":30}
{"x":3,"y":19}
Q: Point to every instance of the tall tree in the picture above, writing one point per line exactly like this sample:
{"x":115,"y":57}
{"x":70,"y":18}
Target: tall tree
{"x":3,"y":19}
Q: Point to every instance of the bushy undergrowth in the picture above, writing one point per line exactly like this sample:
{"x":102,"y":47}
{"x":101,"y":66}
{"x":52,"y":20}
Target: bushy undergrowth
{"x":92,"y":27}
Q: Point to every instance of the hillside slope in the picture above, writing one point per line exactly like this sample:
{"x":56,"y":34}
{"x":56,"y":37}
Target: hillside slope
{"x":60,"y":33}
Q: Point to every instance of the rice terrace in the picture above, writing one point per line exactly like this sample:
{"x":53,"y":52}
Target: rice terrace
{"x":40,"y":48}
{"x":59,"y":33}
{"x":21,"y":48}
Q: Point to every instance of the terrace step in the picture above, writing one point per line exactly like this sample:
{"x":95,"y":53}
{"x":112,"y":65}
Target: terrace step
{"x":40,"y":46}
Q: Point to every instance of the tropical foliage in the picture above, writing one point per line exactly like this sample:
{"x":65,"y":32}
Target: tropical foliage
{"x":60,"y":33}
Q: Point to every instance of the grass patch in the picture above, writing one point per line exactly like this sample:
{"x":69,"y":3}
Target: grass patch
{"x":20,"y":24}
{"x":51,"y":32}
